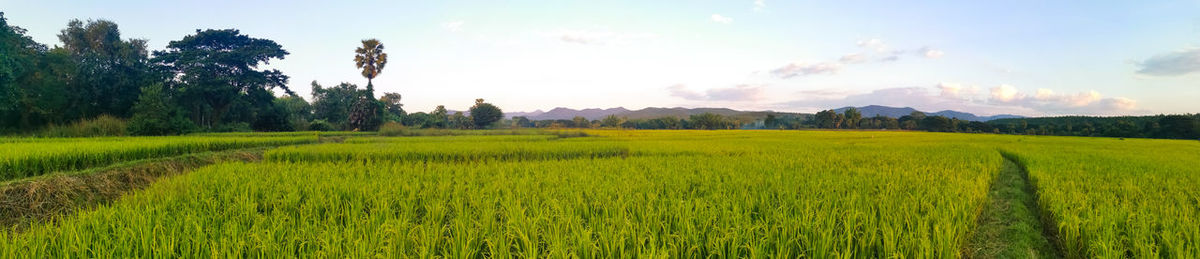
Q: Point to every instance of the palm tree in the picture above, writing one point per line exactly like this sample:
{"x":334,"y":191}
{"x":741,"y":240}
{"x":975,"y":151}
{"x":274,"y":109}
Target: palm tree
{"x":370,"y":58}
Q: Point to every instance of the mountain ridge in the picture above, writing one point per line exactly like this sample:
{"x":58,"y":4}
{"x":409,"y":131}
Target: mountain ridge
{"x":563,"y":113}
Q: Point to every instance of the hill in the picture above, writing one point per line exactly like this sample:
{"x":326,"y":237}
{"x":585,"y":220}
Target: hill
{"x":561,"y":113}
{"x":873,"y":110}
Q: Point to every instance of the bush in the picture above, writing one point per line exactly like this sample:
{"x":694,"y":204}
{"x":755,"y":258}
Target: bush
{"x":392,"y":129}
{"x":320,"y":125}
{"x":233,"y":127}
{"x":154,"y":115}
{"x":101,"y":126}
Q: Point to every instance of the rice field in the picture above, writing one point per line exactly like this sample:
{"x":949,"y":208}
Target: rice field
{"x":20,"y":158}
{"x":670,"y":194}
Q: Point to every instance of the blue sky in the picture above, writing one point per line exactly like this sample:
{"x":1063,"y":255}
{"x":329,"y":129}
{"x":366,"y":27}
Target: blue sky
{"x":1019,"y":57}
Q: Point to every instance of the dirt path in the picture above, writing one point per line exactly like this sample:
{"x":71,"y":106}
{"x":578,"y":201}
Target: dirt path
{"x":1010,"y":226}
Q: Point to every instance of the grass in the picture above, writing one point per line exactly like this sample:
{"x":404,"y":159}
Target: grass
{"x":20,"y":158}
{"x":1010,"y":225}
{"x":800,"y":198}
{"x":31,"y":201}
{"x":628,"y":193}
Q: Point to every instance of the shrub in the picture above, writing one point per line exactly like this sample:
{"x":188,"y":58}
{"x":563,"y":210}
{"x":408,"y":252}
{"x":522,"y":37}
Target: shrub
{"x":233,"y":127}
{"x":391,"y":129}
{"x":155,"y":115}
{"x":104,"y":125}
{"x":320,"y":125}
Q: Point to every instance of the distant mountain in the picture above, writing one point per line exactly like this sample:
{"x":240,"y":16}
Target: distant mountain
{"x":561,"y":113}
{"x":873,"y":110}
{"x":531,"y":114}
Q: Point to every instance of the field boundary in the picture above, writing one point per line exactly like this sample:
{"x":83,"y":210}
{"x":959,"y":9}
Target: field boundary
{"x":1011,"y":223}
{"x":25,"y":202}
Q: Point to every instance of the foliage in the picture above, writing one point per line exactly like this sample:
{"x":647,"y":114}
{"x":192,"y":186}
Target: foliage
{"x":484,"y":114}
{"x":102,"y":126}
{"x":393,"y":109}
{"x":321,"y":125}
{"x":215,"y":71}
{"x":154,"y":115}
{"x":392,"y":129}
{"x":371,"y":59}
{"x":109,"y":71}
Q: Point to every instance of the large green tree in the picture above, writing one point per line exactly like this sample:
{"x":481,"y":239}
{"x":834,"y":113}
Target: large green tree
{"x":109,"y":72}
{"x":333,"y":104}
{"x":214,"y":71}
{"x":484,"y":114}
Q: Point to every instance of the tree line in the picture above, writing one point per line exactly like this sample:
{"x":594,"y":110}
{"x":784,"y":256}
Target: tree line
{"x":1184,"y":126}
{"x":209,"y":81}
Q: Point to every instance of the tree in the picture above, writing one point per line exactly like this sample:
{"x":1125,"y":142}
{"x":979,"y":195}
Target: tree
{"x":109,"y":72}
{"x":460,"y":121}
{"x":213,"y":70}
{"x":1179,"y":126}
{"x":484,"y":114}
{"x":298,"y":111}
{"x":333,"y":104}
{"x":612,"y":121}
{"x":580,"y":122}
{"x":852,"y":117}
{"x":155,"y":115}
{"x":439,"y":117}
{"x":364,"y":115}
{"x":392,"y":105}
{"x":771,"y":122}
{"x":522,"y":121}
{"x":937,"y":123}
{"x":828,"y":119}
{"x":371,"y":59}
{"x":709,"y":121}
{"x":19,"y":56}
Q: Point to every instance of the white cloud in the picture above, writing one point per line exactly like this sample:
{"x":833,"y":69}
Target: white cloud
{"x":957,"y":91}
{"x":600,"y":37}
{"x":721,"y":19}
{"x":1120,"y":103}
{"x":1172,"y":64}
{"x":874,"y":44}
{"x":759,"y":5}
{"x":877,"y":52}
{"x":855,"y":58}
{"x":804,"y":69}
{"x":1005,"y":93}
{"x":454,"y":26}
{"x":930,"y":53}
{"x":738,"y":93}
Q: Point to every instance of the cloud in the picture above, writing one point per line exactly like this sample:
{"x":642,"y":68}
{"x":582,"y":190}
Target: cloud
{"x":930,"y":53}
{"x":738,"y":93}
{"x":855,"y":58}
{"x":874,"y":44}
{"x":892,"y":57}
{"x":454,"y":26}
{"x":721,"y":19}
{"x":1172,"y":64}
{"x":803,"y":69}
{"x":600,"y":37}
{"x":1005,"y":94}
{"x":759,"y":5}
{"x":957,"y":91}
{"x":877,"y":51}
{"x":1004,"y":99}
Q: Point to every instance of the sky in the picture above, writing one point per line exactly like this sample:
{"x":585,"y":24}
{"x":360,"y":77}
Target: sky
{"x":1033,"y":58}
